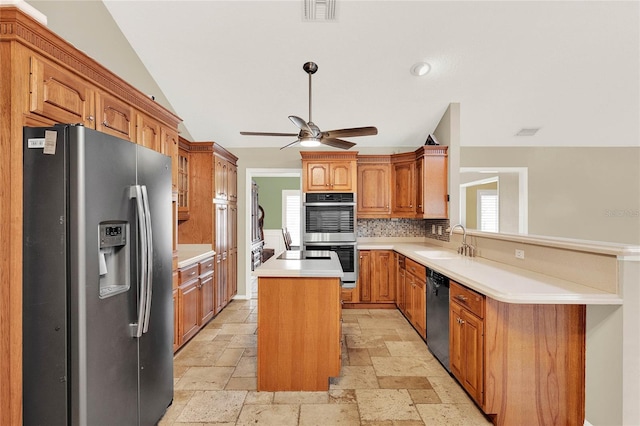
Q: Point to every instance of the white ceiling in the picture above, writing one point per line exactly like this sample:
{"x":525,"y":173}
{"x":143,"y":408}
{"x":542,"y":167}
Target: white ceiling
{"x":570,"y":68}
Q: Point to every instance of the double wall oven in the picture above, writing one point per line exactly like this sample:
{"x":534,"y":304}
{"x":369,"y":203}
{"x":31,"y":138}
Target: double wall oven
{"x":329,"y":223}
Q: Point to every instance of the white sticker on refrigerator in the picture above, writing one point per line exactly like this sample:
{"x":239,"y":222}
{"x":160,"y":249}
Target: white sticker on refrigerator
{"x":50,"y":138}
{"x":35,"y":143}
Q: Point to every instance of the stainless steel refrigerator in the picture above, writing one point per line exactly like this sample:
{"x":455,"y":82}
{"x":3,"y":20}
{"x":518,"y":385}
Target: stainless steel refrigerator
{"x":97,"y":279}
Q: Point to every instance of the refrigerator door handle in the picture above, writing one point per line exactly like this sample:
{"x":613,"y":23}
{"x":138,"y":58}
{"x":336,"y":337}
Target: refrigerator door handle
{"x":136,"y":192}
{"x":149,"y":286}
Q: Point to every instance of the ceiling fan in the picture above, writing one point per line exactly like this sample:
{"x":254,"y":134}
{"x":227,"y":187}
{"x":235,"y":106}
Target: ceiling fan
{"x":310,"y":135}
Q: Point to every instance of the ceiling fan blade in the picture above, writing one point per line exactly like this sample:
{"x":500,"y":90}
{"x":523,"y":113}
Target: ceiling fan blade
{"x":337,"y":143}
{"x":300,"y":123}
{"x":356,"y":131}
{"x":291,"y":144}
{"x":267,"y":134}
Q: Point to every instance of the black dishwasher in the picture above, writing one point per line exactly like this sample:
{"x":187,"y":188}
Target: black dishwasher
{"x":438,"y":316}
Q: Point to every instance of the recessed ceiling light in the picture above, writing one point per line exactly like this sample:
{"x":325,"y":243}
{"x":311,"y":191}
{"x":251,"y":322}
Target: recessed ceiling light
{"x":420,"y":68}
{"x":528,"y":132}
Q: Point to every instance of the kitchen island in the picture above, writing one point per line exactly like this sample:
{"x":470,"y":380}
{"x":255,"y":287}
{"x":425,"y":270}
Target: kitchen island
{"x":299,"y":321}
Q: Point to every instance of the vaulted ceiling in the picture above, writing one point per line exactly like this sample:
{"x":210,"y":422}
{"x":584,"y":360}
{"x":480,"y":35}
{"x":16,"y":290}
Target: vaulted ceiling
{"x":569,"y":68}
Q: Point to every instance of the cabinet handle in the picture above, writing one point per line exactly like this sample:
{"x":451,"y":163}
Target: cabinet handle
{"x":210,"y":265}
{"x":461,"y":298}
{"x":193,"y":273}
{"x":91,"y":118}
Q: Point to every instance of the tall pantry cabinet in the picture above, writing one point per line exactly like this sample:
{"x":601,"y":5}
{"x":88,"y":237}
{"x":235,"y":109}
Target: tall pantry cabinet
{"x":45,"y":80}
{"x":212,"y":219}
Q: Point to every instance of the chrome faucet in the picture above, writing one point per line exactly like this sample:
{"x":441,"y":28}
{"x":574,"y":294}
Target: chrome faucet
{"x":465,"y":249}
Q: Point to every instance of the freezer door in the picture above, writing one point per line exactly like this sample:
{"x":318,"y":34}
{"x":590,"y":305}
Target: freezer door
{"x":104,"y":353}
{"x":156,"y":344}
{"x":44,"y":279}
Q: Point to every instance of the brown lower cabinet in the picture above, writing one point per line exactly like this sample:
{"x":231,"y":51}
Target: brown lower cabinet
{"x":521,"y":363}
{"x":411,"y":289}
{"x":195,"y":300}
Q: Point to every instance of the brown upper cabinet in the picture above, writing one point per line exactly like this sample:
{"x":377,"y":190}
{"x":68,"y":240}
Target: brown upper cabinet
{"x":114,"y":117}
{"x":56,"y":94}
{"x":432,"y":197}
{"x":407,"y":185}
{"x":403,"y":188}
{"x":329,"y":171}
{"x":374,"y":186}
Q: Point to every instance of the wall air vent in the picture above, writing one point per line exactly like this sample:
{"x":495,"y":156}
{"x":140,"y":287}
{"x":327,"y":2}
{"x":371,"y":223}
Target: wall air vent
{"x":528,"y":132}
{"x":319,"y":10}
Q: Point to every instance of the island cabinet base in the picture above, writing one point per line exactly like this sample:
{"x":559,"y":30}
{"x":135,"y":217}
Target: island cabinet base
{"x":299,"y":333}
{"x":534,"y":364}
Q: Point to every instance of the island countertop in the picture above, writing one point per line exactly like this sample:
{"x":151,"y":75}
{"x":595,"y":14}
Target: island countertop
{"x":291,"y":264}
{"x":499,"y":281}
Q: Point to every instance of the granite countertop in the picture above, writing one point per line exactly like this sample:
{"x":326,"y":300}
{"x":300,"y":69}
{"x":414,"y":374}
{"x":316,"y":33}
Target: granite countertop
{"x":295,"y":266}
{"x":188,"y":254}
{"x":499,"y":281}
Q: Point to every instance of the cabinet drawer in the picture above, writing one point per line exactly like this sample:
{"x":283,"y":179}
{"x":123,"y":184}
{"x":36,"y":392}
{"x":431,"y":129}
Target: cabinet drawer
{"x":188,"y":273}
{"x":206,"y":265}
{"x":418,"y":270}
{"x":468,"y":298}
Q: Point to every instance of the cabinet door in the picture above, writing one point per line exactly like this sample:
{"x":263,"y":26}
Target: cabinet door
{"x":435,"y":193}
{"x":114,"y":117}
{"x":400,"y":288}
{"x":177,"y":336}
{"x":190,"y":304}
{"x":466,"y":346}
{"x":419,"y":183}
{"x":183,"y":184}
{"x":403,"y":189}
{"x":364,"y":276}
{"x":383,"y":283}
{"x":206,"y":298}
{"x":58,"y":95}
{"x":220,"y":178}
{"x":147,"y":132}
{"x":232,"y":182}
{"x":318,"y":177}
{"x":232,"y":274}
{"x":455,"y":340}
{"x":409,"y":284}
{"x":341,"y":173}
{"x":418,"y":299}
{"x":374,"y":182}
{"x":169,"y":147}
{"x":472,"y":336}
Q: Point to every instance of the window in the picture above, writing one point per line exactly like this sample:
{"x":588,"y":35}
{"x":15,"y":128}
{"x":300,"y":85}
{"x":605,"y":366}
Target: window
{"x":488,"y":210}
{"x":291,"y":214}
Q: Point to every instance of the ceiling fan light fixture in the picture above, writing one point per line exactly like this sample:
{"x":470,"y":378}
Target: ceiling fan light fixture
{"x":420,"y":68}
{"x":309,"y":142}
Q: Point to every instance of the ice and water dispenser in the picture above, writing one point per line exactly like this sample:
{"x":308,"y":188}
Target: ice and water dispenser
{"x":114,"y":258}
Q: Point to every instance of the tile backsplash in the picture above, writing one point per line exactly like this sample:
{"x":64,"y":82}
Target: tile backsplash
{"x":372,"y":228}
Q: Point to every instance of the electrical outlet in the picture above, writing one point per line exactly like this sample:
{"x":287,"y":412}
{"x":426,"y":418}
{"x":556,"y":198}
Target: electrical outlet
{"x":519,"y":254}
{"x":439,"y":230}
{"x":433,"y":229}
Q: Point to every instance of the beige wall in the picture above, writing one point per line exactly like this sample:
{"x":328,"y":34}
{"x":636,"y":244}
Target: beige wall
{"x":582,"y":193}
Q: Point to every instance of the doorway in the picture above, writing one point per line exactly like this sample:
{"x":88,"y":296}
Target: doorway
{"x":272,"y":188}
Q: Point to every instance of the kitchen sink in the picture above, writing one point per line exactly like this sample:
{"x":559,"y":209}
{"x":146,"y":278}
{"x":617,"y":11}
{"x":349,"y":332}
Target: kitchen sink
{"x":437,"y":254}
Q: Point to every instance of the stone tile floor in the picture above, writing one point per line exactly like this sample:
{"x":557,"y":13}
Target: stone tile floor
{"x":388,"y":377}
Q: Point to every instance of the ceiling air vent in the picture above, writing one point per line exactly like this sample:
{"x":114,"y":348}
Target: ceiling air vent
{"x":319,"y":10}
{"x":528,"y":132}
